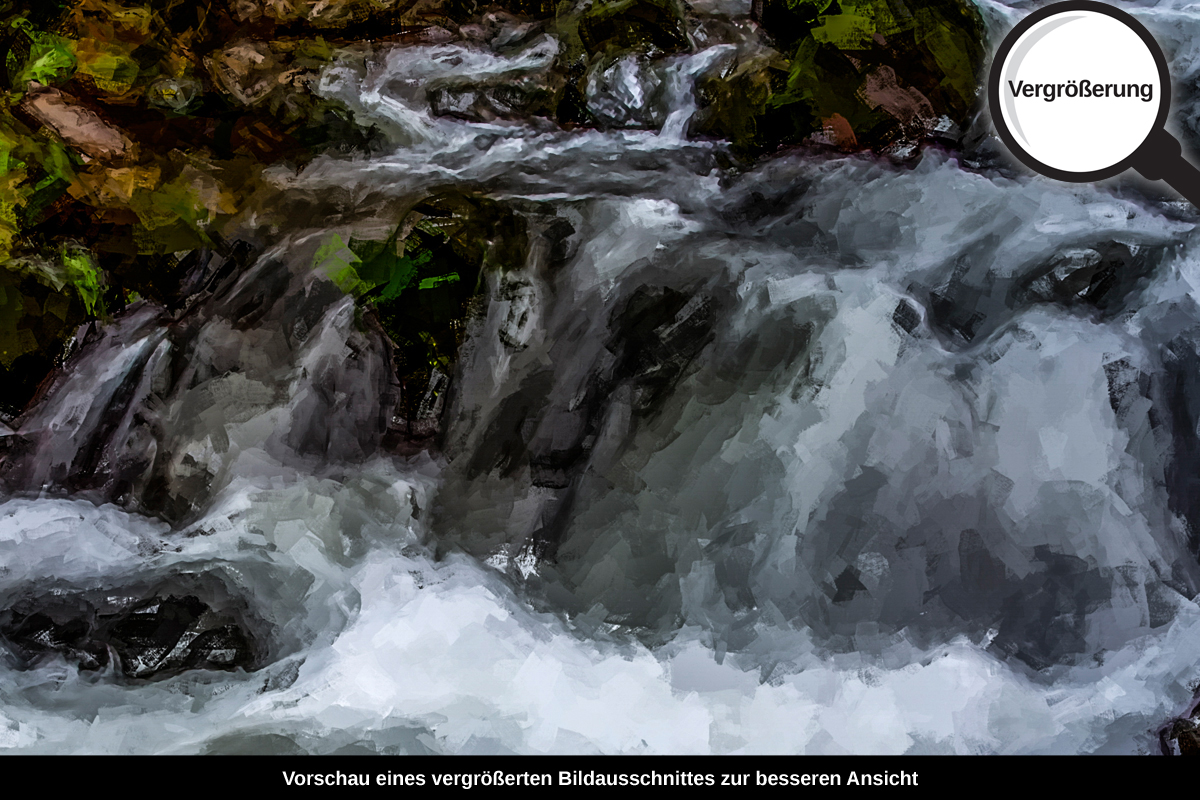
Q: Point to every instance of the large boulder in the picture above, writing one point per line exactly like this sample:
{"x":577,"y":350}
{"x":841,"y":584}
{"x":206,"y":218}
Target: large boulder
{"x":151,"y":637}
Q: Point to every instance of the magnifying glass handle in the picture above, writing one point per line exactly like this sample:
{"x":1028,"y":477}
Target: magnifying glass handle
{"x":1160,"y":158}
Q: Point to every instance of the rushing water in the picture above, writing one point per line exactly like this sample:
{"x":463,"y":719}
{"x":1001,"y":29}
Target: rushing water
{"x":883,"y":481}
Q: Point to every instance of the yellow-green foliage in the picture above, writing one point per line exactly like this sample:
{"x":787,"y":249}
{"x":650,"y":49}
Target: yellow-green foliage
{"x":337,"y":260}
{"x":51,"y":60}
{"x":108,"y":65}
{"x":82,"y":274}
{"x":34,"y":170}
{"x":378,"y":270}
{"x":935,"y":49}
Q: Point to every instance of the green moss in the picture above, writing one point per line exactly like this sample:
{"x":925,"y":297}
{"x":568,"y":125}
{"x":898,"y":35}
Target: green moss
{"x":110,"y":66}
{"x":735,"y":104}
{"x":35,"y":171}
{"x":954,"y":41}
{"x":337,"y":260}
{"x":50,"y":60}
{"x":42,"y":302}
{"x":371,"y":271}
{"x":935,"y":52}
{"x":389,"y":268}
{"x":643,"y":26}
{"x":858,"y":25}
{"x":438,"y":280}
{"x":420,"y":282}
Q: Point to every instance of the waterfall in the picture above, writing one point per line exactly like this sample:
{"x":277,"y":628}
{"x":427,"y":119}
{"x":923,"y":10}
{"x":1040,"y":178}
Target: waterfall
{"x":828,"y":453}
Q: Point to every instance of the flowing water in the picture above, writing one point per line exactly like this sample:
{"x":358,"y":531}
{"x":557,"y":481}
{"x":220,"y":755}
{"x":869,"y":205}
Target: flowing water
{"x":832,"y":455}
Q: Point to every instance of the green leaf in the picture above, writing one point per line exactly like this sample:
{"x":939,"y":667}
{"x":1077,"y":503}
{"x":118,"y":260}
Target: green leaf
{"x":51,"y":60}
{"x":84,"y":277}
{"x":429,"y":283}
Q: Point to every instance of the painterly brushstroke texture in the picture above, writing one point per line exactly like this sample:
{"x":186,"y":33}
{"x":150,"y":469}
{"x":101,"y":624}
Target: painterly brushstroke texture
{"x":579,"y":377}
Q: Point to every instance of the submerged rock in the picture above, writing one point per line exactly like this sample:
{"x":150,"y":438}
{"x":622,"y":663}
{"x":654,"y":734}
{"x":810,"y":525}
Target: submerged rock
{"x":1096,"y":281}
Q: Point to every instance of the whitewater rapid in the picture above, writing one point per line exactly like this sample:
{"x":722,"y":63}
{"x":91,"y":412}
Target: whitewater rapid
{"x":821,"y":409}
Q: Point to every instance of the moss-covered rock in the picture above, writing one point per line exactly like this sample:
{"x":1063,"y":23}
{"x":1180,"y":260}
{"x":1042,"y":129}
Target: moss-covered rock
{"x":651,"y":27}
{"x":883,"y":75}
{"x":42,"y":302}
{"x":132,"y":131}
{"x":732,"y":102}
{"x":421,"y":283}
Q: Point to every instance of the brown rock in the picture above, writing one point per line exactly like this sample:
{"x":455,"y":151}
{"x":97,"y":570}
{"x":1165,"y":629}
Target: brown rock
{"x":248,"y":70}
{"x":75,"y":124}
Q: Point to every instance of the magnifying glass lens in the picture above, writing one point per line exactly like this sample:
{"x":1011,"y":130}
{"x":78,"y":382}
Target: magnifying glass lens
{"x":1080,"y":92}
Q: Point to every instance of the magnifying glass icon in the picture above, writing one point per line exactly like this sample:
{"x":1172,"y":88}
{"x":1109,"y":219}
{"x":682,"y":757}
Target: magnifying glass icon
{"x":1079,"y":91}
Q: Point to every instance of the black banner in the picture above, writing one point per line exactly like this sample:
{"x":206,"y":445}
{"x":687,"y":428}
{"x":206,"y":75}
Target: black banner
{"x":544,"y":775}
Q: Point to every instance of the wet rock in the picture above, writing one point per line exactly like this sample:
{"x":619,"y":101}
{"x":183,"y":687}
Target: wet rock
{"x":1181,"y":736}
{"x":651,"y":27}
{"x":500,"y":29}
{"x":486,"y":104}
{"x":660,"y":332}
{"x":864,"y":74}
{"x":37,"y":323}
{"x":129,"y":419}
{"x":98,"y":413}
{"x":420,"y":285}
{"x":147,"y":638}
{"x":43,"y":302}
{"x":174,"y":94}
{"x":1094,"y":281}
{"x":571,"y":416}
{"x":320,"y":13}
{"x":77,"y":125}
{"x":1179,"y":381}
{"x":607,"y":55}
{"x":248,"y":71}
{"x":733,"y":100}
{"x":624,"y":93}
{"x":527,"y":86}
{"x":271,"y":82}
{"x":1097,"y":277}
